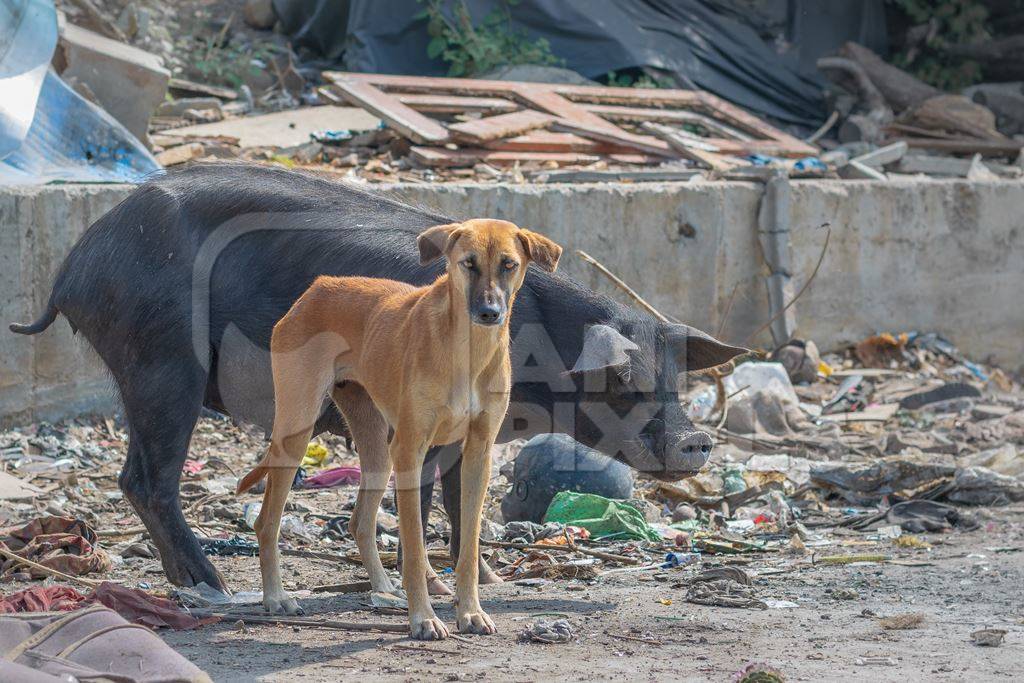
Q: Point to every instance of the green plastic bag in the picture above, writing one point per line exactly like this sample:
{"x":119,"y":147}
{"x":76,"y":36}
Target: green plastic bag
{"x":603,"y":517}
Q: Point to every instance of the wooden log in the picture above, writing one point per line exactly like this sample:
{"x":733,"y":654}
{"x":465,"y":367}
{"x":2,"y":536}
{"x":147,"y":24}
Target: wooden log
{"x":900,"y":89}
{"x":966,"y":146}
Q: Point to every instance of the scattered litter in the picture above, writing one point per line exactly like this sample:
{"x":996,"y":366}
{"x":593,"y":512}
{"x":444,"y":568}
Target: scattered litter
{"x":902,"y":622}
{"x":724,"y":593}
{"x":552,"y":632}
{"x":988,"y":637}
{"x":756,"y":672}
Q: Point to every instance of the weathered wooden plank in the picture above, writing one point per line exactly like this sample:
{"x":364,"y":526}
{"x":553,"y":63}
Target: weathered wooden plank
{"x":548,"y":141}
{"x":651,"y":176}
{"x":497,"y":127}
{"x":456,"y":104}
{"x":401,"y":117}
{"x":571,"y":103}
{"x":614,"y":112}
{"x":440,"y":157}
{"x":643,"y":143}
{"x":697,"y":150}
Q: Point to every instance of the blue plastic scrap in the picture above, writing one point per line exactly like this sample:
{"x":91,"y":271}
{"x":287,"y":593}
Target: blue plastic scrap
{"x":28,"y":36}
{"x":61,"y":137}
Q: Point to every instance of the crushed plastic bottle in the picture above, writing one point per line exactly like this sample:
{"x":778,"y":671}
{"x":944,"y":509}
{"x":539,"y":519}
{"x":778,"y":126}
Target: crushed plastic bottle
{"x":250,"y":511}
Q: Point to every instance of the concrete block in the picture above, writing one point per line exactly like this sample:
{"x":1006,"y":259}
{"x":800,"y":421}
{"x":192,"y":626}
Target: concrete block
{"x":128,"y":82}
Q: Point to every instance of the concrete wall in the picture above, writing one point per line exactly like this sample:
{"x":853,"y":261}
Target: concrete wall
{"x":946,"y":256}
{"x":52,"y":374}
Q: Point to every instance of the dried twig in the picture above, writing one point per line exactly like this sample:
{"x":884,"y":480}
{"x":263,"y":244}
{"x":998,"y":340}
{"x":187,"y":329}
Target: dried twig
{"x":308,"y":623}
{"x":622,"y":285}
{"x":825,"y":127}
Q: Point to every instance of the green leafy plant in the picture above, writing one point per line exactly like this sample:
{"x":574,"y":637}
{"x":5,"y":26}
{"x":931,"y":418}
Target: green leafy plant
{"x":624,"y":80}
{"x":471,"y":49}
{"x":232,"y":63}
{"x":943,"y":23}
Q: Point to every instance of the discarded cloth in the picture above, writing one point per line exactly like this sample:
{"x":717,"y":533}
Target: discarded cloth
{"x":910,"y":476}
{"x":42,"y":599}
{"x":602,"y":517}
{"x":61,"y":543}
{"x":140,"y":607}
{"x":919,"y":516}
{"x":133,"y":604}
{"x":337,"y":476}
{"x":88,"y":645}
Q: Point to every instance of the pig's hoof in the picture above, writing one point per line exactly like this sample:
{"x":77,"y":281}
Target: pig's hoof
{"x":431,"y":628}
{"x":284,"y":606}
{"x":436,"y":586}
{"x":489,"y":576}
{"x":476,"y":622}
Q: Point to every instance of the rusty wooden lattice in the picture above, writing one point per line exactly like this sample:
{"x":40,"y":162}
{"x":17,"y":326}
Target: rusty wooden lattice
{"x":550,"y":118}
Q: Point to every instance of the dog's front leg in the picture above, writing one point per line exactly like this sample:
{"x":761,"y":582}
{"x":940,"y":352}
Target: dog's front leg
{"x":476,"y":471}
{"x":407,"y":454}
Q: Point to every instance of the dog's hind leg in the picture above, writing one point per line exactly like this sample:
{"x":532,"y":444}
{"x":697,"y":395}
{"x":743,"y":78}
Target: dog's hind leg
{"x":301,"y":381}
{"x":369,"y":431}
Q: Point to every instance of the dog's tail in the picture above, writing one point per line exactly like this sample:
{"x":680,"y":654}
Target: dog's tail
{"x":254,"y":477}
{"x":44,"y":321}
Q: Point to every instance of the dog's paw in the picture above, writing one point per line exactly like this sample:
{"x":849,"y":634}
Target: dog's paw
{"x":283,"y":605}
{"x":478,"y":622}
{"x":431,"y":628}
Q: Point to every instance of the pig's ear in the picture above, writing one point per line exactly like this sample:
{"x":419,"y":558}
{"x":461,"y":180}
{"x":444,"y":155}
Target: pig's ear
{"x":695,"y":350}
{"x":540,"y":249}
{"x":603,"y":347}
{"x":437,"y":241}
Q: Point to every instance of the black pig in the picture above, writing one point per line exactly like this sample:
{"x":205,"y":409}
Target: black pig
{"x":178,"y":288}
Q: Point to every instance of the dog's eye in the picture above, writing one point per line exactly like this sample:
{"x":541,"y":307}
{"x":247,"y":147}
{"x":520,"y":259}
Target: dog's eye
{"x":469,"y":264}
{"x":510,"y":265}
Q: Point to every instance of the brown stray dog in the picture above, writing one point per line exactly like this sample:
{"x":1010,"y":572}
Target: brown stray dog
{"x":430,"y":362}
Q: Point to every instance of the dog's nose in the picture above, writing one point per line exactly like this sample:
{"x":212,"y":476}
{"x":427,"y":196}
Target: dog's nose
{"x":488,"y":314}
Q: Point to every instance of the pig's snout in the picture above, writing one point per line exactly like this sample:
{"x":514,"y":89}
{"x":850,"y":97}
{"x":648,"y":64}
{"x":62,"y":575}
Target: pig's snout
{"x":685,"y":455}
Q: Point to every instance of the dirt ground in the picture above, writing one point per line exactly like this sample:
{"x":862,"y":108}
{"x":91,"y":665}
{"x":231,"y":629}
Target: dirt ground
{"x":817,"y":612}
{"x":967,"y":581}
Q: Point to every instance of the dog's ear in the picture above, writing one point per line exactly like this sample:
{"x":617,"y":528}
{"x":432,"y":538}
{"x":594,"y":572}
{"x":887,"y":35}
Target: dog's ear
{"x":540,"y":249}
{"x":435,"y":242}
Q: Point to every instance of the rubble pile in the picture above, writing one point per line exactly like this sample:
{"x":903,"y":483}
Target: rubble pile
{"x":891,"y":446}
{"x":216,"y":81}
